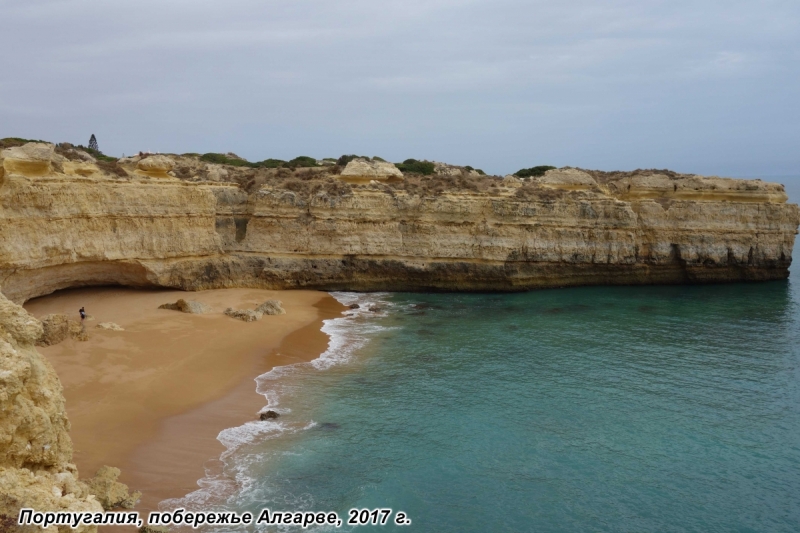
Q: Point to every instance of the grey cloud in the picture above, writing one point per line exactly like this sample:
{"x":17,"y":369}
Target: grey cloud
{"x":697,"y":86}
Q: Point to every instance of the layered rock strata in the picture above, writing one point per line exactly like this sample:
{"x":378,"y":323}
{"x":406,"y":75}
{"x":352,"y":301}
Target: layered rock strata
{"x":568,"y":227}
{"x":71,"y":220}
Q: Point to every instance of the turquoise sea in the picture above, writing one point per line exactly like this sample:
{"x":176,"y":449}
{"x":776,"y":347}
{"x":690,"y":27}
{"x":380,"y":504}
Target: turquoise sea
{"x":607,"y":409}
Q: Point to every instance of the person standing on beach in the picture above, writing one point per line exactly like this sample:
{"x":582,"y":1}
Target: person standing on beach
{"x":83,"y":314}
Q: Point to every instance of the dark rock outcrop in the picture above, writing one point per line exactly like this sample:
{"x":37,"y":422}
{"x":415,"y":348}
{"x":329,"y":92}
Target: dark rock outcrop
{"x":187,"y":306}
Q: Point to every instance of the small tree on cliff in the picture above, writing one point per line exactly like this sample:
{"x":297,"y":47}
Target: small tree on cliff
{"x":93,"y":143}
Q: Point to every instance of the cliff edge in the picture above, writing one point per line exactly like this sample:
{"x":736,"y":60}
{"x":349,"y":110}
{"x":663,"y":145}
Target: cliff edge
{"x":180,"y":222}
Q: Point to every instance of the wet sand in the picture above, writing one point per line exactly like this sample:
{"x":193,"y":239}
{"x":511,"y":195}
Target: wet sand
{"x":152,"y":399}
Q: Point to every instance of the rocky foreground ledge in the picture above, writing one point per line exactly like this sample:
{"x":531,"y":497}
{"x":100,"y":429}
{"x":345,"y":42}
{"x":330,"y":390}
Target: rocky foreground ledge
{"x":36,"y":468}
{"x":70,"y":220}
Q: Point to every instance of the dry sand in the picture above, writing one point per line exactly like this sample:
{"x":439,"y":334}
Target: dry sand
{"x":152,"y":399}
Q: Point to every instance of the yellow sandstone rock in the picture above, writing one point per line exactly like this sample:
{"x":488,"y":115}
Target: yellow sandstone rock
{"x":567,"y":227}
{"x":155,"y":165}
{"x":63,"y":224}
{"x":35,"y":448}
{"x":32,"y":159}
{"x":109,"y":492}
{"x":376,"y":170}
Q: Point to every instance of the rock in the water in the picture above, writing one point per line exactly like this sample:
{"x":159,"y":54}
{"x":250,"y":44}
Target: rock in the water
{"x":271,"y":307}
{"x":354,"y":306}
{"x":365,"y":168}
{"x":375,"y":309}
{"x":268,"y":415}
{"x":110,"y":326}
{"x":56,"y":329}
{"x":109,"y":492}
{"x":188,"y":306}
{"x":245,"y":315}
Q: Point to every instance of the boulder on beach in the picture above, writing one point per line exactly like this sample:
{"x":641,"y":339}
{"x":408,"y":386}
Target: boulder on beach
{"x":55,"y":329}
{"x":268,"y":415}
{"x":77,"y":330}
{"x":110,"y":326}
{"x":271,"y":307}
{"x":245,"y":315}
{"x":187,"y":306}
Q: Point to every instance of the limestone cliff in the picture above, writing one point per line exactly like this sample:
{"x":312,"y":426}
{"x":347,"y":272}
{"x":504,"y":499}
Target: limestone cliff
{"x":36,"y":469}
{"x":35,"y":448}
{"x":68,"y":219}
{"x":162,"y":221}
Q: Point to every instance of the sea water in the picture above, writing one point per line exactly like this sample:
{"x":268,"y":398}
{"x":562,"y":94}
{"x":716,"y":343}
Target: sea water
{"x":608,"y":409}
{"x":585,"y":409}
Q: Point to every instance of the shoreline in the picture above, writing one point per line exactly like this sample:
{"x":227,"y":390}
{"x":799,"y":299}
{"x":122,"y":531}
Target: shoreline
{"x":152,"y":399}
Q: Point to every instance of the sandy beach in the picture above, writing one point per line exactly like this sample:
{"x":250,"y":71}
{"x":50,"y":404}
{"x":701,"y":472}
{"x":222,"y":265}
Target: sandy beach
{"x":152,"y":399}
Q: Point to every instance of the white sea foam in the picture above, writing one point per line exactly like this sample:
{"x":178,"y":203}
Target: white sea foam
{"x":233,"y":438}
{"x":348,"y":334}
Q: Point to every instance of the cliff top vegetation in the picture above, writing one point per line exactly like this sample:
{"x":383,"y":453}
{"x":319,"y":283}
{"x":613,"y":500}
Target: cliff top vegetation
{"x":307,"y":176}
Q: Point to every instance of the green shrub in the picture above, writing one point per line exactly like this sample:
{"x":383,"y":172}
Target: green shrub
{"x":302,"y":162}
{"x":416,"y":167}
{"x":221,"y":159}
{"x":11,"y":142}
{"x":97,"y":154}
{"x":271,"y":163}
{"x":533,"y":171}
{"x":343,"y":160}
{"x":479,"y":171}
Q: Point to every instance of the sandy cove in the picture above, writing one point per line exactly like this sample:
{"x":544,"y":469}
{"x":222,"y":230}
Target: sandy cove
{"x":152,"y":399}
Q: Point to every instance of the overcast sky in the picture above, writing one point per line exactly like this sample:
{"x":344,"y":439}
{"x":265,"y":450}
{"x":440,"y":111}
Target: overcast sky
{"x":702,"y":86}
